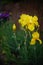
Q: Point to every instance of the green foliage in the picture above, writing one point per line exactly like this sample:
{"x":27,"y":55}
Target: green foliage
{"x":14,"y":47}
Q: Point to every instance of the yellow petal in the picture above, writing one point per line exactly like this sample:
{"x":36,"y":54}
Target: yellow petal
{"x":35,"y":35}
{"x":31,"y":27}
{"x":40,"y":41}
{"x":33,"y":41}
{"x":35,"y":18}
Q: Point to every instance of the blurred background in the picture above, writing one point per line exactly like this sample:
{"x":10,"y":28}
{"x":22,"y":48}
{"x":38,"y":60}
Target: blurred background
{"x":17,"y":7}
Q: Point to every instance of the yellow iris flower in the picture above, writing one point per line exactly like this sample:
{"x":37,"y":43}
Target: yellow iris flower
{"x":29,"y":21}
{"x":35,"y":36}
